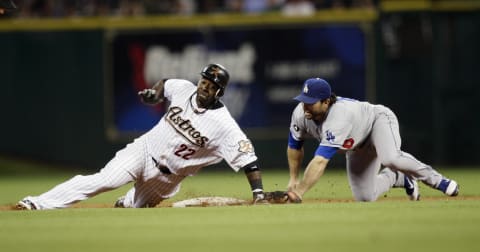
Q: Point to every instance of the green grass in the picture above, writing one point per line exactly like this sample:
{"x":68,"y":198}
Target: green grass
{"x":391,"y":224}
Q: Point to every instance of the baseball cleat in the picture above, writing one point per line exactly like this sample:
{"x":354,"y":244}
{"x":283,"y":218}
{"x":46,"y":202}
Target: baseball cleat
{"x":119,"y":203}
{"x":411,"y":188}
{"x":449,"y":187}
{"x":25,"y":205}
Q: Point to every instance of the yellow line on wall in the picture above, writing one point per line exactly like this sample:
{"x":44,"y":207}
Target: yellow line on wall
{"x":429,"y":5}
{"x":174,"y":21}
{"x":234,"y":20}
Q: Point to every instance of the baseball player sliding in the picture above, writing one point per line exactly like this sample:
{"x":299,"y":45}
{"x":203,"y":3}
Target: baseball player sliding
{"x":196,"y":131}
{"x":367,"y":133}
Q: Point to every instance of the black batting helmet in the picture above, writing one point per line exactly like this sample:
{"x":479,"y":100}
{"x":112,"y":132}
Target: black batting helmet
{"x":217,"y":74}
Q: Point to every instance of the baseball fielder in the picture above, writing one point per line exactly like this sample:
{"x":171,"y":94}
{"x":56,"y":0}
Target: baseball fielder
{"x":196,"y":131}
{"x":369,"y":136}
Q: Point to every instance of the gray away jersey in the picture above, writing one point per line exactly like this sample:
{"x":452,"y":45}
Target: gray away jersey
{"x":185,"y":141}
{"x":348,"y":124}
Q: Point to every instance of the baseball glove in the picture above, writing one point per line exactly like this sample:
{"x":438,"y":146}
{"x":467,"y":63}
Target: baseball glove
{"x":282,"y":197}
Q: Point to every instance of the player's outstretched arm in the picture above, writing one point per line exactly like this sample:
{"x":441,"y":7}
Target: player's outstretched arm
{"x":314,"y":171}
{"x":154,"y":95}
{"x":254,"y":177}
{"x":295,"y":159}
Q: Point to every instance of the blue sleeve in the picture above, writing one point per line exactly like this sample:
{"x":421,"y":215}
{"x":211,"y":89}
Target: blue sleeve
{"x":294,"y":144}
{"x":326,"y":151}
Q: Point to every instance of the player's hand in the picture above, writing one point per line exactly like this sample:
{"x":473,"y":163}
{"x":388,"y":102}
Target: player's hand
{"x":292,"y":184}
{"x":259,"y":198}
{"x":293,"y":197}
{"x":149,"y":96}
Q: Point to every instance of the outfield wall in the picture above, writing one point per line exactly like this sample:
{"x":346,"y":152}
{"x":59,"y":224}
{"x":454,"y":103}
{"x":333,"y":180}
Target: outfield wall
{"x":69,"y":85}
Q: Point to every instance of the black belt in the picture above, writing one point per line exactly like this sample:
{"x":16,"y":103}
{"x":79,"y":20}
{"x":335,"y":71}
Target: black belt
{"x":163,"y":169}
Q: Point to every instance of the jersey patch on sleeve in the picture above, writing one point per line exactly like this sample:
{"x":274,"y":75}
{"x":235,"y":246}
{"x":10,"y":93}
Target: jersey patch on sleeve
{"x":348,"y":143}
{"x":245,"y":146}
{"x":296,"y":128}
{"x":293,"y":143}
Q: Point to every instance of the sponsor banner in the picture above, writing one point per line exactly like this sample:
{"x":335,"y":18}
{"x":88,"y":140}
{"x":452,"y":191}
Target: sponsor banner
{"x":267,"y":68}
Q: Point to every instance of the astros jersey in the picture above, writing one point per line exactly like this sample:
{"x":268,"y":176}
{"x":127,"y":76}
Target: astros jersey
{"x":188,"y":138}
{"x":347,"y":125}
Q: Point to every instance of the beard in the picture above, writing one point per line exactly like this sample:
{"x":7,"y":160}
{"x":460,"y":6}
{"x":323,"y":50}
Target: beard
{"x":308,"y":115}
{"x":314,"y":116}
{"x":204,"y":101}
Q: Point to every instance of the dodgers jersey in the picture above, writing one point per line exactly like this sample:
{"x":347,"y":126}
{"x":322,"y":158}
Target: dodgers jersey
{"x":188,"y":138}
{"x":348,"y":124}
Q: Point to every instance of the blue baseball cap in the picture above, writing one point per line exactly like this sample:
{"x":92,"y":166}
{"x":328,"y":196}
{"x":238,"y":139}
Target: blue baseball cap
{"x":314,"y":90}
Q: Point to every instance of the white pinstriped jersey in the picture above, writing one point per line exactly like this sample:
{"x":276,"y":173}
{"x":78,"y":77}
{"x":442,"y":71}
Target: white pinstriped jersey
{"x":348,"y":124}
{"x":185,"y":140}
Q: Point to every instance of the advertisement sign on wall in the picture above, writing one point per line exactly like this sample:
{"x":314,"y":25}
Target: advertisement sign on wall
{"x":267,"y":68}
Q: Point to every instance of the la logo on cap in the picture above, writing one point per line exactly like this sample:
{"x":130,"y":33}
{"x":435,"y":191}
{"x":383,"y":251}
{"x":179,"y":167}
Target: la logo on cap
{"x":305,"y":89}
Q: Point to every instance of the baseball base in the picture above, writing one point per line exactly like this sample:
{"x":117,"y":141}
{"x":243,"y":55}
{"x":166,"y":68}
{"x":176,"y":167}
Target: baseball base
{"x":209,"y":201}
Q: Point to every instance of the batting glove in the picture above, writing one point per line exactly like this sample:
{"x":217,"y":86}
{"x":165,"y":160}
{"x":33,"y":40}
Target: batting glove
{"x":259,"y":197}
{"x":149,"y":96}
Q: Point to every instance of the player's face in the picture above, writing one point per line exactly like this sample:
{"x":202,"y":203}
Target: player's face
{"x":206,"y":91}
{"x":315,"y":111}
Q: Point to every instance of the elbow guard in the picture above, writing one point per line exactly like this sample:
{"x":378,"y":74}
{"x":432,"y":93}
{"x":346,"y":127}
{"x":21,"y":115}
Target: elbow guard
{"x":251,"y":167}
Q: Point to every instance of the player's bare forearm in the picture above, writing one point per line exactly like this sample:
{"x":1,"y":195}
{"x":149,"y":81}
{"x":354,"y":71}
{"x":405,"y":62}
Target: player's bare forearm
{"x":314,"y":171}
{"x":254,"y":177}
{"x":159,"y":86}
{"x":295,"y":159}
